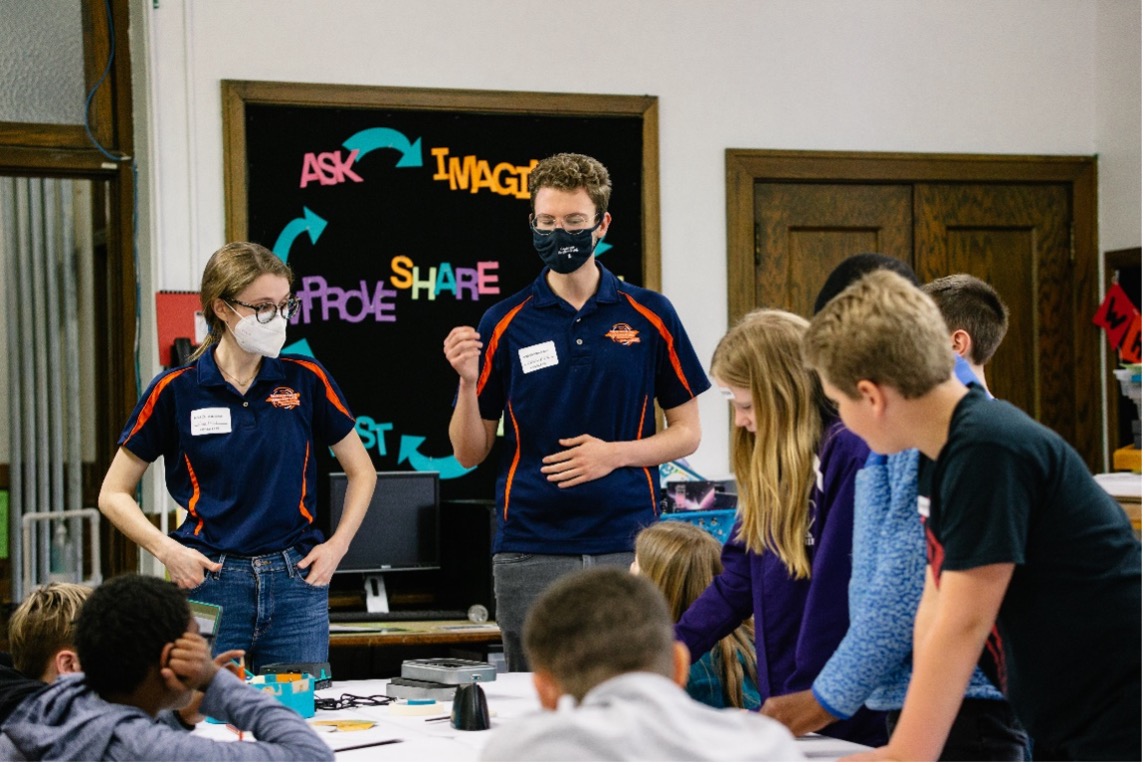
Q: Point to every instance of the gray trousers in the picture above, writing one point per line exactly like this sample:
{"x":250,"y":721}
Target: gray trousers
{"x":518,"y":578}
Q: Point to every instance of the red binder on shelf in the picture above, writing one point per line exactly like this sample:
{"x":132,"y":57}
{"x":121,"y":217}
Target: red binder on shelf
{"x":174,"y":318}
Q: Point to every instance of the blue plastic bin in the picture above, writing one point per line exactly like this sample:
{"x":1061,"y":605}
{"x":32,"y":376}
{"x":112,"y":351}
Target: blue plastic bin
{"x":718,"y":522}
{"x":295,"y":690}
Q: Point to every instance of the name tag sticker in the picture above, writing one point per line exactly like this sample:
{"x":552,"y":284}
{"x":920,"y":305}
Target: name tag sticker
{"x":538,"y":357}
{"x":210,"y":420}
{"x":924,"y":507}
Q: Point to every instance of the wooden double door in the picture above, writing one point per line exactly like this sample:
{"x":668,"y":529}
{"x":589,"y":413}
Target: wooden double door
{"x":1013,"y":222}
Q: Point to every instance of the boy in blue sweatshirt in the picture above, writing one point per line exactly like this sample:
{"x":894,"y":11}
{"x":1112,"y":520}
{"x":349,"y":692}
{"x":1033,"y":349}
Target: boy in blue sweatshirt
{"x":142,"y":655}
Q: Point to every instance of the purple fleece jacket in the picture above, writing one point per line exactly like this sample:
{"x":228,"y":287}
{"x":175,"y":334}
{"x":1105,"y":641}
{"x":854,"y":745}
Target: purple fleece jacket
{"x":798,"y":623}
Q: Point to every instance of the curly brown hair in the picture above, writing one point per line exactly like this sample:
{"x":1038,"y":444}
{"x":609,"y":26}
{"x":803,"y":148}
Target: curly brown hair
{"x":569,"y":172}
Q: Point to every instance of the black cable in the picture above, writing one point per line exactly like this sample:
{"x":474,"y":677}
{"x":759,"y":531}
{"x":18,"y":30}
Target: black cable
{"x":351,"y":701}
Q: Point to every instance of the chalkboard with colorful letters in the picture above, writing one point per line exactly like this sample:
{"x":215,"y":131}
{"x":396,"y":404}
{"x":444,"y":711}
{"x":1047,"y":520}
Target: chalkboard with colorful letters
{"x":403,"y":213}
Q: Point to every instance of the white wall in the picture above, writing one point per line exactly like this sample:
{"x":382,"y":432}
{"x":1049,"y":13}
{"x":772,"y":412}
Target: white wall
{"x":975,"y":76}
{"x":1118,"y":123}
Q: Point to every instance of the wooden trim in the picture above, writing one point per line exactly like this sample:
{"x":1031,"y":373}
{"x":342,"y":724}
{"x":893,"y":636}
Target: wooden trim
{"x":746,"y":167}
{"x":741,"y":178}
{"x":97,"y":47}
{"x":70,"y":161}
{"x":650,"y":198}
{"x":64,"y":151}
{"x":237,"y":93}
{"x":43,"y":135}
{"x":418,"y":634}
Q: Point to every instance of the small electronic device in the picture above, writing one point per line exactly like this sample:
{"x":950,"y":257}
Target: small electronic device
{"x":207,"y":617}
{"x":413,"y":688}
{"x":448,"y":670}
{"x":181,"y":351}
{"x":319,"y":670}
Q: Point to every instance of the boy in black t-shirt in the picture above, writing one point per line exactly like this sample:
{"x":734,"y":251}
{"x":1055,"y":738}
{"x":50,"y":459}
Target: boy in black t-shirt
{"x":1018,"y":533}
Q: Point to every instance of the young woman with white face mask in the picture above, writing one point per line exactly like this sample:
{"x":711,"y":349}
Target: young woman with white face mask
{"x":239,"y":428}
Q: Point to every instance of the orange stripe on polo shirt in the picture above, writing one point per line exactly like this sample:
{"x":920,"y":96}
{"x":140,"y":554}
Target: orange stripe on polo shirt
{"x":658,"y":323}
{"x":639,"y":436}
{"x":516,"y":460}
{"x":491,"y":349}
{"x":302,"y":501}
{"x":193,"y":503}
{"x":149,"y":408}
{"x":331,"y":395}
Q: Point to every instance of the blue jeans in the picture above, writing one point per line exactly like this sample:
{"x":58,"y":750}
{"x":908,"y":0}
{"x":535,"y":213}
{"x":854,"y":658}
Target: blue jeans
{"x":518,"y":578}
{"x":268,"y":609}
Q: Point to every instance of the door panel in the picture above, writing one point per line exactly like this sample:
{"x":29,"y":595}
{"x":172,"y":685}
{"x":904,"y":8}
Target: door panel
{"x":793,"y":215}
{"x":1013,"y":236}
{"x":1016,"y":238}
{"x":805,"y":230}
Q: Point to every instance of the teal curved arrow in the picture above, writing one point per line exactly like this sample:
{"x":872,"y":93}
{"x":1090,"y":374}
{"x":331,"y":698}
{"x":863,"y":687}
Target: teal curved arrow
{"x":366,"y":141}
{"x":309,"y":223}
{"x":300,"y":347}
{"x":446,"y":467}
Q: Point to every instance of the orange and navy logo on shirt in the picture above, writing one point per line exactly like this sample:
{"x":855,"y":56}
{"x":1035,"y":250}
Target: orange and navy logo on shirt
{"x":623,"y":333}
{"x":286,"y":398}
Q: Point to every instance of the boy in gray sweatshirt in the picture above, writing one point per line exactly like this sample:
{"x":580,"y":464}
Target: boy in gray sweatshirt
{"x":142,"y":655}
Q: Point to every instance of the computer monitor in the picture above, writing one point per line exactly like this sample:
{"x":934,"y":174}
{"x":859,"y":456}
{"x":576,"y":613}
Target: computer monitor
{"x":399,"y":533}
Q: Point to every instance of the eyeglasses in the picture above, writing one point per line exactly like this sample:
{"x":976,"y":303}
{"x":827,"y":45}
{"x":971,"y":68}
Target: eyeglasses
{"x":547,"y":224}
{"x":264,"y":312}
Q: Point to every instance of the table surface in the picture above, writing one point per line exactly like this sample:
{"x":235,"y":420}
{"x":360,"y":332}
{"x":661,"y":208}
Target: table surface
{"x":413,"y":632}
{"x":510,"y":696}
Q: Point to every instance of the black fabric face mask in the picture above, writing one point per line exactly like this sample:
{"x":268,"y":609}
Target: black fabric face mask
{"x":563,"y":251}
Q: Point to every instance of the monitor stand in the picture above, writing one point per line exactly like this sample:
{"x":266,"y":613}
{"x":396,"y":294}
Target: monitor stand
{"x":376,"y":598}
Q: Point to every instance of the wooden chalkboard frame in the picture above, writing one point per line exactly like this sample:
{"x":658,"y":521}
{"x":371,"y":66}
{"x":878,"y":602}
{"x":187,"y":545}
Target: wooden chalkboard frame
{"x":238,"y":93}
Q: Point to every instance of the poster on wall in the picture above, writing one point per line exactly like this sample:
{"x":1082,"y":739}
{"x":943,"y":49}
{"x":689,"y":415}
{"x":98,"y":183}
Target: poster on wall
{"x":404,"y":213}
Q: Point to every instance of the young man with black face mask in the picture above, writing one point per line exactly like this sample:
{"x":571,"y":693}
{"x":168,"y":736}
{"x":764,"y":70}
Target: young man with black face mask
{"x":575,"y":363}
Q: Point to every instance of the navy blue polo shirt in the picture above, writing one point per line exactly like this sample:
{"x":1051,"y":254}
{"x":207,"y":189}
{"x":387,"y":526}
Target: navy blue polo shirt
{"x":558,"y":373}
{"x":243,"y":466}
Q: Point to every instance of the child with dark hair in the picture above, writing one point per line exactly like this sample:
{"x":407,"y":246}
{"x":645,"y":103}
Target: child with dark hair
{"x":975,"y":315}
{"x":851,"y":268}
{"x":608,"y":674}
{"x":142,"y":655}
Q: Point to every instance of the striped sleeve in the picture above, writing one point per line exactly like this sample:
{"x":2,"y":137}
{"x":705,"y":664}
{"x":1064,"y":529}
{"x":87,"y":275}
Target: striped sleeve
{"x":491,"y":394}
{"x":332,"y":416}
{"x":152,"y":422}
{"x":680,"y":376}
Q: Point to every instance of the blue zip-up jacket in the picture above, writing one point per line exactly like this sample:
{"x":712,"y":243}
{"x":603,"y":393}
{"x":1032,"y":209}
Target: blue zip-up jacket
{"x":873,"y":661}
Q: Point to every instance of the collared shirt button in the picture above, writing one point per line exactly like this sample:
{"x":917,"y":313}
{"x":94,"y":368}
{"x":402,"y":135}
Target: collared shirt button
{"x":578,"y":319}
{"x":246,"y":404}
{"x":579,"y":342}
